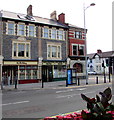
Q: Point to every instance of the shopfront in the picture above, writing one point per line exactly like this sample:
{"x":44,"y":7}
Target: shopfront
{"x":54,"y":71}
{"x":23,"y":71}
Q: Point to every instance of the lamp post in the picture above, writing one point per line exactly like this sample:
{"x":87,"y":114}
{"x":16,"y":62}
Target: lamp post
{"x":85,"y":8}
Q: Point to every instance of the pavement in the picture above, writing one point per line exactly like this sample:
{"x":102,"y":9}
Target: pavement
{"x":54,"y":85}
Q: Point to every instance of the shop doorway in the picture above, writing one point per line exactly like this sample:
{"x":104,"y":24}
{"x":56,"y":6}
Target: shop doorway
{"x":8,"y":74}
{"x":47,"y":73}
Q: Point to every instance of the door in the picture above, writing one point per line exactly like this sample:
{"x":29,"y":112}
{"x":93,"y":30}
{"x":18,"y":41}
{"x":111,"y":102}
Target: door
{"x":47,"y":73}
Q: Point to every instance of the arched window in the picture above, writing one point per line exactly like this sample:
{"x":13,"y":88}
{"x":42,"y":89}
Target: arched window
{"x":79,"y":67}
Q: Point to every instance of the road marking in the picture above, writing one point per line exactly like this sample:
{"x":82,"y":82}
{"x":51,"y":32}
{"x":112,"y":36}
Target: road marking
{"x":64,"y":91}
{"x":14,"y":103}
{"x":63,"y":96}
{"x":81,"y":88}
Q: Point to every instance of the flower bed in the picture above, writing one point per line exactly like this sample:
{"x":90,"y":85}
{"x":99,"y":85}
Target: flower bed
{"x":77,"y":116}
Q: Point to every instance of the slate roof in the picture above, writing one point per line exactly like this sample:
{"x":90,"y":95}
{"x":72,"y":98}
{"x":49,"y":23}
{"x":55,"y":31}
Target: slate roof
{"x":102,"y":55}
{"x":15,"y":16}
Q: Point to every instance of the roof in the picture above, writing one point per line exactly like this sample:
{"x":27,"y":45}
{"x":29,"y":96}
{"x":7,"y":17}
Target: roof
{"x":102,"y":54}
{"x":74,"y":26}
{"x":35,"y":19}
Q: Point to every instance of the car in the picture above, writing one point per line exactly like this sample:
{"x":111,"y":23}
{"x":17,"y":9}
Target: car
{"x":92,"y":73}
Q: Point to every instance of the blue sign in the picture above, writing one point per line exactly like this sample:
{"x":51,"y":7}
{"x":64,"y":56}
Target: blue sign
{"x":69,"y":73}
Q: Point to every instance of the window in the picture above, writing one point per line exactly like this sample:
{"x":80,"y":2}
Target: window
{"x":53,"y":34}
{"x":54,"y":51}
{"x":11,"y":28}
{"x":31,"y":31}
{"x":21,"y":29}
{"x":60,"y":35}
{"x":90,"y":60}
{"x":27,"y":72}
{"x":46,"y":33}
{"x":74,"y":50}
{"x":21,"y":49}
{"x":81,"y":50}
{"x":78,"y":35}
{"x":79,"y":67}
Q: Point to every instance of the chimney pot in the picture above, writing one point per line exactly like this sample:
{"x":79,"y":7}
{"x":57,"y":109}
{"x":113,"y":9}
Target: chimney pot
{"x":29,"y":10}
{"x":53,"y":15}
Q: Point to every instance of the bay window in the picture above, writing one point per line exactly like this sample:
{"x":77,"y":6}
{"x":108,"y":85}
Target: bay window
{"x":54,"y":51}
{"x":21,"y":50}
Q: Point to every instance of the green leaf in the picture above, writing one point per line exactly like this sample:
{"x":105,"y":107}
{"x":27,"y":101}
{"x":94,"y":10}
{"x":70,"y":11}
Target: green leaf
{"x":98,"y":98}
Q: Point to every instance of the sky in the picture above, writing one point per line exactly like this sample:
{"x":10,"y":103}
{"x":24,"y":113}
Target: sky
{"x":98,"y":18}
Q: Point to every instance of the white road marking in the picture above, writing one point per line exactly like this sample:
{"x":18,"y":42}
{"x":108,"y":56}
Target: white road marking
{"x":64,"y":91}
{"x":14,"y":103}
{"x":68,"y":96}
{"x":81,"y":88}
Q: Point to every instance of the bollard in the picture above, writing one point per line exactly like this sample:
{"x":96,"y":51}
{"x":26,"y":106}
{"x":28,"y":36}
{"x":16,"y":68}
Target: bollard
{"x":78,"y":81}
{"x":42,"y":83}
{"x":15,"y":83}
{"x":109,"y":78}
{"x":97,"y":80}
{"x":104,"y":79}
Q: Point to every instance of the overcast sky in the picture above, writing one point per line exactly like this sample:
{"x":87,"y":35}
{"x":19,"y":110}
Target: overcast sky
{"x":98,"y":17}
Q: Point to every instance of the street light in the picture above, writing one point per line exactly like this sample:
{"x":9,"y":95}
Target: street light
{"x":92,"y":4}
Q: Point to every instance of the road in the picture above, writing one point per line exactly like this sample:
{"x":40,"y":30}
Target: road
{"x":40,"y":103}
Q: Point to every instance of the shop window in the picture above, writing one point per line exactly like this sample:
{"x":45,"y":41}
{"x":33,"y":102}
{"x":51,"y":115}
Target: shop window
{"x":78,"y":67}
{"x":59,"y":71}
{"x":28,"y":72}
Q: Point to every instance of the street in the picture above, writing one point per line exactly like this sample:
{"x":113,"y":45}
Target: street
{"x":40,"y":103}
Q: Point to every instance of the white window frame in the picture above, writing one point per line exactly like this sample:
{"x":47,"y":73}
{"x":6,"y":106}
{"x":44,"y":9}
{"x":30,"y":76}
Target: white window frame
{"x":7,"y":28}
{"x":83,"y":49}
{"x":57,"y":55}
{"x":77,"y":49}
{"x":53,"y":34}
{"x":34,"y":35}
{"x":25,"y":44}
{"x":23,"y":30}
{"x":75,"y":35}
{"x":45,"y":32}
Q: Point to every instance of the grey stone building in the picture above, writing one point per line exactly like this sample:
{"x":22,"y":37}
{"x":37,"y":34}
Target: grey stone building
{"x":34,"y":48}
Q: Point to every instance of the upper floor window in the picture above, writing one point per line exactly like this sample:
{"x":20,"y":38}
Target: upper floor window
{"x":81,"y":50}
{"x":21,"y":29}
{"x":74,"y":50}
{"x":78,"y":35}
{"x":90,"y":60}
{"x":31,"y":30}
{"x":46,"y":33}
{"x":21,"y":50}
{"x":60,"y":35}
{"x":54,"y":51}
{"x":11,"y":28}
{"x":53,"y":34}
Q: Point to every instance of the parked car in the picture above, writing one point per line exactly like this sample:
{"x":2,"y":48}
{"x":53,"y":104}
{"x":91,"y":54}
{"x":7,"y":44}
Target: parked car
{"x":92,"y":73}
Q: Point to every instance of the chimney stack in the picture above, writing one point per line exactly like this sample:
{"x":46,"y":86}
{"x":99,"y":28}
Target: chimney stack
{"x":53,"y":15}
{"x":61,"y":18}
{"x":29,"y":10}
{"x":99,"y":51}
